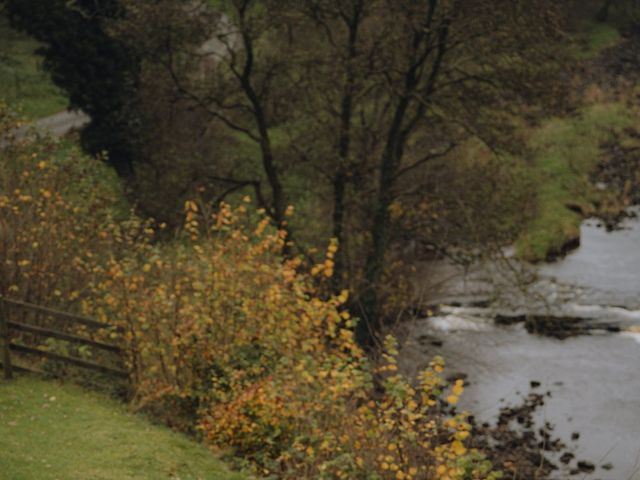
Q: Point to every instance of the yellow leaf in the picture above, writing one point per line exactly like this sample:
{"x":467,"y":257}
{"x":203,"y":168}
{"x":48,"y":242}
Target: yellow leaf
{"x":344,"y":296}
{"x":458,"y":388}
{"x":458,"y":448}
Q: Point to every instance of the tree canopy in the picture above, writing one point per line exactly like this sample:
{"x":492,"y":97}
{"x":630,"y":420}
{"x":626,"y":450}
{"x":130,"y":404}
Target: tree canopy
{"x":98,"y":72}
{"x":346,"y":108}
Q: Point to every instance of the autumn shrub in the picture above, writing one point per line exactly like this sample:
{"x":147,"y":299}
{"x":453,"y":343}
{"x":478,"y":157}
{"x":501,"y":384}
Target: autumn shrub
{"x":55,"y":204}
{"x":228,"y":338}
{"x":224,"y":337}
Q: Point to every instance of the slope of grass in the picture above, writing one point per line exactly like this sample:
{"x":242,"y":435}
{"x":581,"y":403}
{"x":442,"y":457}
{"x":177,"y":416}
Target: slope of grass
{"x":23,"y":84}
{"x":589,"y":35}
{"x":566,"y":150}
{"x":53,"y":431}
{"x":595,"y":38}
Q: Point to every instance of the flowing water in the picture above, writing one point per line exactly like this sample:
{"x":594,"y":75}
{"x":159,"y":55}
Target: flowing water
{"x":593,"y":380}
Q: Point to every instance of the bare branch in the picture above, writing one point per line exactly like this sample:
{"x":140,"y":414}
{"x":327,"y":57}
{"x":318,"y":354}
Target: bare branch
{"x":425,"y":159}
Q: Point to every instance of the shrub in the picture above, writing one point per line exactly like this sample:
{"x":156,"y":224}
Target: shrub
{"x":223,"y":336}
{"x":54,"y":207}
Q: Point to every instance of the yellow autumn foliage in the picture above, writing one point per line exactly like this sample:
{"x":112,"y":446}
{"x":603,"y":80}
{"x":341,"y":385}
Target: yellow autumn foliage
{"x":223,"y":336}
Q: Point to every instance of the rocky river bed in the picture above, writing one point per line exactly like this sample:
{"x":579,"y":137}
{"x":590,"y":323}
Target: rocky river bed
{"x":562,"y":338}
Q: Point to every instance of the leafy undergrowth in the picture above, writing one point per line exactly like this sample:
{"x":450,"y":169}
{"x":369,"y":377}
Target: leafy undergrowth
{"x":23,"y":83}
{"x":566,"y":152}
{"x":54,"y":431}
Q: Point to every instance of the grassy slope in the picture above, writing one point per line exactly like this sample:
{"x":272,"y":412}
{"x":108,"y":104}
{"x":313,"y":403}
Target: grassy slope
{"x":23,"y":83}
{"x":54,"y":431}
{"x":566,"y":150}
{"x":597,"y":37}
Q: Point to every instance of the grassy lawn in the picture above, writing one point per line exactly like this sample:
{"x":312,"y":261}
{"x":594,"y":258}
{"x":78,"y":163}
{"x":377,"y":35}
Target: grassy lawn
{"x":53,"y":431}
{"x":23,"y":83}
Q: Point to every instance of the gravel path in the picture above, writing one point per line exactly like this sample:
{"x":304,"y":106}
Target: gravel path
{"x":56,"y":125}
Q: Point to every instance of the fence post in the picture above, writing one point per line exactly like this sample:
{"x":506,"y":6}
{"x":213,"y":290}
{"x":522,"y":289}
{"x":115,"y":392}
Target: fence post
{"x":4,"y":337}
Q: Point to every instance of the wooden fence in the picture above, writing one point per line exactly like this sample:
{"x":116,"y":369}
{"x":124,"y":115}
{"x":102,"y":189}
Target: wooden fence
{"x":11,"y":330}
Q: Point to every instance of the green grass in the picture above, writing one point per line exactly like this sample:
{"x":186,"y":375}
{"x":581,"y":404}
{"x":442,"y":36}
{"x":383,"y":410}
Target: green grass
{"x":589,"y":36}
{"x":23,"y":84}
{"x":565,"y":152}
{"x":52,"y":431}
{"x":597,"y":37}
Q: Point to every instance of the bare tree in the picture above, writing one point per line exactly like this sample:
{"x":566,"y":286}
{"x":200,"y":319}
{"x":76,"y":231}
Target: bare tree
{"x":222,"y":63}
{"x":449,"y":62}
{"x":368,"y":92}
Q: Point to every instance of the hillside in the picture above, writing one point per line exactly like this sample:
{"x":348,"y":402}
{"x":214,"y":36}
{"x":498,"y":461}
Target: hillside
{"x":53,"y":431}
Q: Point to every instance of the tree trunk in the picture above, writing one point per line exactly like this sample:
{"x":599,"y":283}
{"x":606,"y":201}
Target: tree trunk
{"x":399,"y":131}
{"x":344,"y":147}
{"x":339,"y":187}
{"x":603,"y":13}
{"x":370,"y":303}
{"x":278,"y":200}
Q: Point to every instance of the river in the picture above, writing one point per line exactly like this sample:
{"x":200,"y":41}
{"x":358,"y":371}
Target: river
{"x":593,"y":380}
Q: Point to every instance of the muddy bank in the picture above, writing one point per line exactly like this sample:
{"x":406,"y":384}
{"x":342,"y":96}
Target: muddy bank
{"x":616,"y":71}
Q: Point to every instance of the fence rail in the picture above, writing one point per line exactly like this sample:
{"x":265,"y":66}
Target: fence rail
{"x":20,"y":368}
{"x":45,"y":332}
{"x":9,"y":345}
{"x":63,"y":358}
{"x":89,"y":322}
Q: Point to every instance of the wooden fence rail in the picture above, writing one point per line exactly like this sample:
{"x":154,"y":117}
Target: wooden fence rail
{"x":8,"y":326}
{"x":72,"y":317}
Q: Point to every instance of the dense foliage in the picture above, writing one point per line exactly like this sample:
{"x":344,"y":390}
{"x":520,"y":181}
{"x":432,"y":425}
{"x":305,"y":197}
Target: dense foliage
{"x":396,"y":128}
{"x":224,"y":337}
{"x":341,"y":107}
